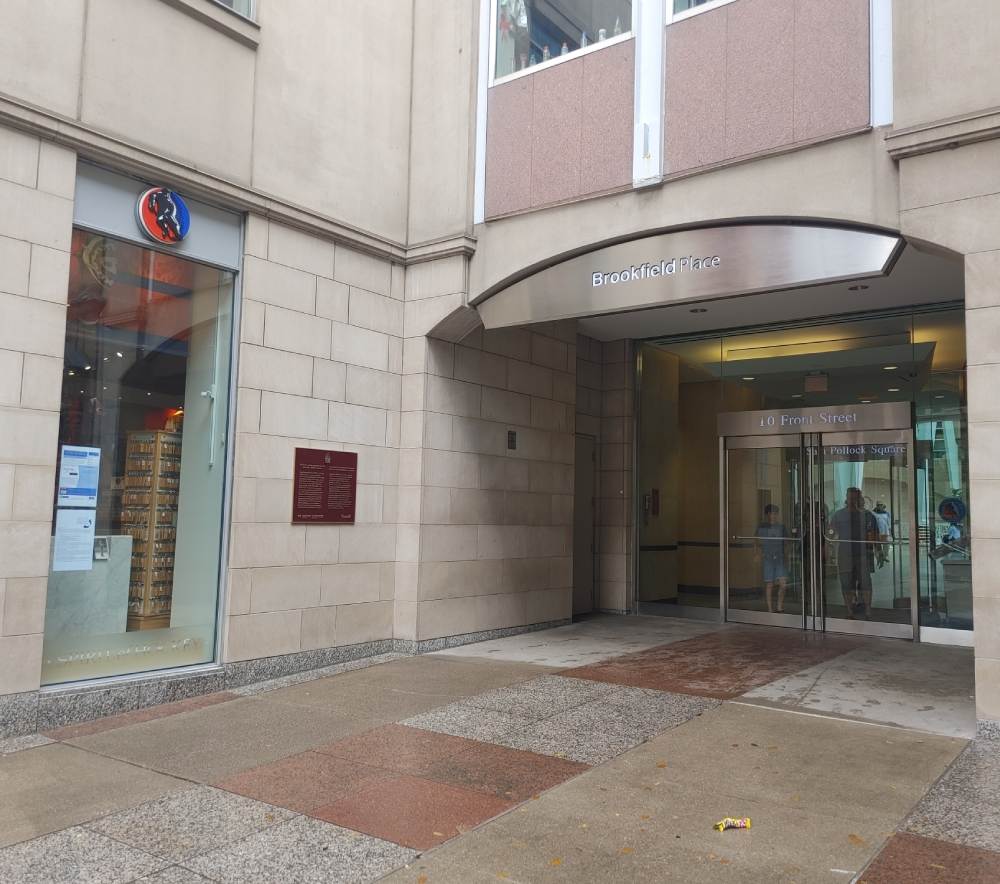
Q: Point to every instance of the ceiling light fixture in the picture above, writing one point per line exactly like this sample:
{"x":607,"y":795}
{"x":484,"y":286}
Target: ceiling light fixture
{"x":889,"y":367}
{"x":796,"y":395}
{"x":866,"y":401}
{"x":749,"y":378}
{"x":893,"y":389}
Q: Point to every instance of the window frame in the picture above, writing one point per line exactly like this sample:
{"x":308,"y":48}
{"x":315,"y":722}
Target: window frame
{"x":558,"y":59}
{"x":697,"y":10}
{"x":250,"y":15}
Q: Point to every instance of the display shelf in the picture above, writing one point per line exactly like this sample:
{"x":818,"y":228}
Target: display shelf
{"x":149,"y":515}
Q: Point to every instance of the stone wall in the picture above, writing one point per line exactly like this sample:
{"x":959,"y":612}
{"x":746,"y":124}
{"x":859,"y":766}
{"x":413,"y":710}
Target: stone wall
{"x":486,"y":530}
{"x":36,"y":192}
{"x":319,"y":367}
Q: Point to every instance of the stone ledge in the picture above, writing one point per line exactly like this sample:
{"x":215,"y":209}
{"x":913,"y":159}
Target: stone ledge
{"x":222,"y":19}
{"x":944,"y":134}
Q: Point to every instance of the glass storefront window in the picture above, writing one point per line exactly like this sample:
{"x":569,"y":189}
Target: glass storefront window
{"x":137,"y":509}
{"x":529,"y":32}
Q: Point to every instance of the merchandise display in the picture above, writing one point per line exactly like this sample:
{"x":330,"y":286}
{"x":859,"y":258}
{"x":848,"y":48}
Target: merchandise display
{"x":149,"y":515}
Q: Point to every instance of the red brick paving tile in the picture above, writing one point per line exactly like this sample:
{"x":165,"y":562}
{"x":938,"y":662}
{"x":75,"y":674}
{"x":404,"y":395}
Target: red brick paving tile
{"x":303,"y":782}
{"x":399,"y":748}
{"x":506,"y":773}
{"x":414,"y":812}
{"x":918,"y":860}
{"x":151,"y":713}
{"x":722,"y":664}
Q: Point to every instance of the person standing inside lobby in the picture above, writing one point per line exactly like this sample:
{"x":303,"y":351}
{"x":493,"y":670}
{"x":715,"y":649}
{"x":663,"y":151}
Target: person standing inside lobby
{"x":771,"y":552}
{"x":857,"y":530}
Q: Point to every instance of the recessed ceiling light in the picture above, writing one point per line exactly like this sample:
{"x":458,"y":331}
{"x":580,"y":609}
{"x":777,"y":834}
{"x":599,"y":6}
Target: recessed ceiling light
{"x":86,"y":368}
{"x":698,"y":310}
{"x":865,"y":401}
{"x":939,"y":396}
{"x":72,"y":374}
{"x":119,"y":354}
{"x":889,"y":367}
{"x":796,"y":395}
{"x":749,"y":378}
{"x":893,"y":389}
{"x":857,"y":288}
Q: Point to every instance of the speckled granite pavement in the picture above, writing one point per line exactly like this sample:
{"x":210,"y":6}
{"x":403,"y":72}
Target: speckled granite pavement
{"x":455,"y":767}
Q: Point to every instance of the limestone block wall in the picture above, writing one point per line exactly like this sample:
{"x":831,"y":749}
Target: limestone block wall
{"x":615,"y":507}
{"x":319,"y":367}
{"x":485,"y":535}
{"x":37,"y":180}
{"x":950,"y":198}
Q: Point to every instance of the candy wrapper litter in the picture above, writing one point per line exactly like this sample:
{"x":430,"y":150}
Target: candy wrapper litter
{"x":733,"y":822}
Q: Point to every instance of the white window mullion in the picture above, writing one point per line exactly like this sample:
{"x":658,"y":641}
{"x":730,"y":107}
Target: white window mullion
{"x":647,"y":144}
{"x":880,"y":25}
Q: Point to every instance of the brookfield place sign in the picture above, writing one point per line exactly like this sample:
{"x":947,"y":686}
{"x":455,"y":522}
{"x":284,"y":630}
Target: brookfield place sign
{"x":648,"y":270}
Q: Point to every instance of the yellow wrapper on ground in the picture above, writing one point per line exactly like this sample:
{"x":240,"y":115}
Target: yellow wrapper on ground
{"x":733,"y":822}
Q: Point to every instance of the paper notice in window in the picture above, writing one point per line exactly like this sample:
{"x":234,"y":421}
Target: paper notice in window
{"x":73,"y":548}
{"x":79,"y":472}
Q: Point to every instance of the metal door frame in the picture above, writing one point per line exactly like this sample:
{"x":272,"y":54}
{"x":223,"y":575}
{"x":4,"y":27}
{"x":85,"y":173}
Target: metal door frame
{"x":813,"y":616}
{"x":727,"y":444}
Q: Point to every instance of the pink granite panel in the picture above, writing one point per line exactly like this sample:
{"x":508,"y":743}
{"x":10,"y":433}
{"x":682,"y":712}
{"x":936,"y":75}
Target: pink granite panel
{"x":695,"y":97}
{"x":609,"y":90}
{"x":831,"y":67}
{"x":508,"y":147}
{"x":556,"y":130}
{"x":760,"y":75}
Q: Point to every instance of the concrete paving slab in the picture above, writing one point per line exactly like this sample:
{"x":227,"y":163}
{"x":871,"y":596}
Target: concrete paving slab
{"x":925,"y":687}
{"x":173,"y":875}
{"x":577,"y":832}
{"x":305,"y":851}
{"x":587,"y":641}
{"x":56,"y":786}
{"x":834,"y":767}
{"x":374,"y":703}
{"x":74,"y":856}
{"x":195,"y":821}
{"x":541,"y":697}
{"x":648,"y":815}
{"x":18,"y":744}
{"x":471,"y":722}
{"x":211,"y":744}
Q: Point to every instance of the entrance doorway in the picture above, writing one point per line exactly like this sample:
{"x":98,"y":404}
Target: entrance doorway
{"x":819,"y":526}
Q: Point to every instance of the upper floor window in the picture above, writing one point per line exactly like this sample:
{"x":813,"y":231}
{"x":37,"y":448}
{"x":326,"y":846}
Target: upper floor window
{"x":530,"y":32}
{"x":243,"y":7}
{"x":680,"y":7}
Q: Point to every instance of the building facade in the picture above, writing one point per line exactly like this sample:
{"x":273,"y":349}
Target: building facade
{"x":628,"y":305}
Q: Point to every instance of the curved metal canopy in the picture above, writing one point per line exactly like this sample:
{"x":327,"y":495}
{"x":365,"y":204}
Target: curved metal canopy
{"x":690,"y":265}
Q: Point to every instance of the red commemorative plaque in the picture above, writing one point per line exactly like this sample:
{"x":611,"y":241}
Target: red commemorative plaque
{"x":326,"y":487}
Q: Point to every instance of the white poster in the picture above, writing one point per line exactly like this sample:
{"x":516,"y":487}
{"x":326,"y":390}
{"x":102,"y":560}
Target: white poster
{"x":79,"y":472}
{"x":73,"y":548}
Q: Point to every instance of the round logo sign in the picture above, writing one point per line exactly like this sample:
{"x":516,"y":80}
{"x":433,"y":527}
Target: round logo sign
{"x":163,"y":215}
{"x":952,"y":509}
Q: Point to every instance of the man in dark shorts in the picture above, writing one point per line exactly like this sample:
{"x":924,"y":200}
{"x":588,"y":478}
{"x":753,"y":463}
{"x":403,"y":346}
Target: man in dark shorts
{"x":856,"y":529}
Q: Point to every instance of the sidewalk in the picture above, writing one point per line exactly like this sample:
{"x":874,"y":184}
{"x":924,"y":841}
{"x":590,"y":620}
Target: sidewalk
{"x":549,"y":756}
